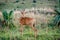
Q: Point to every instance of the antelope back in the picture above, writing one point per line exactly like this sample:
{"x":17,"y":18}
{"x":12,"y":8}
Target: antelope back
{"x":26,"y":20}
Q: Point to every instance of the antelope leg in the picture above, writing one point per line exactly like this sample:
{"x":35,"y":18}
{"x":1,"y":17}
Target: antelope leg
{"x":21,"y":29}
{"x":34,"y":29}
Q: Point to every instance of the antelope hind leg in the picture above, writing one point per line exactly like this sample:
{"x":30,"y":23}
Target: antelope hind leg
{"x":34,"y":29}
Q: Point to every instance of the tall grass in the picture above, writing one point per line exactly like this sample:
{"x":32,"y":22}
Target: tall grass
{"x":28,"y":34}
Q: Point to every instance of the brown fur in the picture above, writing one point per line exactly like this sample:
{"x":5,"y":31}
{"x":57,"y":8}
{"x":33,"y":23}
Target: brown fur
{"x":27,"y":21}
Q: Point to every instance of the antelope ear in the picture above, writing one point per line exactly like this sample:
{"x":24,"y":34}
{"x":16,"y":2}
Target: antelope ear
{"x":21,"y":12}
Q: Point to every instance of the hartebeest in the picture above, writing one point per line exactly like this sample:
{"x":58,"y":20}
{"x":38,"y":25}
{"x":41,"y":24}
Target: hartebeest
{"x":31,"y":22}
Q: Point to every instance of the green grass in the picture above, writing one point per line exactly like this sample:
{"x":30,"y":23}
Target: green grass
{"x":28,"y":34}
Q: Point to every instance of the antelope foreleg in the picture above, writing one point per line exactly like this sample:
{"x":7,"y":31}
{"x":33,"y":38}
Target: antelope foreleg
{"x":21,"y":29}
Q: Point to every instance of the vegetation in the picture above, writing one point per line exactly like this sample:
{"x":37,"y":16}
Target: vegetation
{"x":57,"y":18}
{"x":27,"y":35}
{"x":9,"y":31}
{"x":12,"y":33}
{"x":7,"y":22}
{"x":34,"y":1}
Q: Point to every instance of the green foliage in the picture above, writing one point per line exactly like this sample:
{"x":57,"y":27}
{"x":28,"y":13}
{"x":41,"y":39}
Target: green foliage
{"x":57,"y":11}
{"x":57,"y":17}
{"x":8,"y":18}
{"x":10,"y":14}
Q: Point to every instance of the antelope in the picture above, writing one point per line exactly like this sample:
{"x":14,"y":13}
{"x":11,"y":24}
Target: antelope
{"x":31,"y":22}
